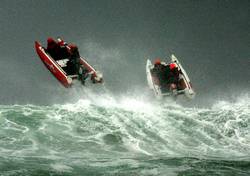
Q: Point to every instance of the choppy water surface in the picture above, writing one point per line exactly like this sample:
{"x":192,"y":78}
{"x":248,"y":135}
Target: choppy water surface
{"x":125,"y":137}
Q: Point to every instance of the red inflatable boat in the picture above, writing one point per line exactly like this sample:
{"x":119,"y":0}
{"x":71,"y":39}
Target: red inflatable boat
{"x":58,"y":66}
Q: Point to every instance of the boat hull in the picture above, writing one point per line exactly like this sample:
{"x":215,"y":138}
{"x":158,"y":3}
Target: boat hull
{"x":53,"y":66}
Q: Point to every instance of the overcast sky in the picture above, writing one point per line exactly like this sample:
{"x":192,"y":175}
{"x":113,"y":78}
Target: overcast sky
{"x":210,"y":37}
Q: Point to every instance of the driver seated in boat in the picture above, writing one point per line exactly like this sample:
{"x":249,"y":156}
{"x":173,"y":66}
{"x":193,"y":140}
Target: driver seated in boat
{"x":165,"y":75}
{"x":74,"y":58}
{"x":57,"y":50}
{"x":74,"y":63}
{"x":174,"y":77}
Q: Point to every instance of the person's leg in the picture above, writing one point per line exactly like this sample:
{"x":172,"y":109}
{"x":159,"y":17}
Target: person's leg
{"x":173,"y":88}
{"x":83,"y":74}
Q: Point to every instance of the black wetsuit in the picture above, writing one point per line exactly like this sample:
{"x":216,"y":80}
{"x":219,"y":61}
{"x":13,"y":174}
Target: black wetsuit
{"x":76,"y":67}
{"x":74,"y":61}
{"x":165,"y":76}
{"x":174,"y":76}
{"x":53,"y":49}
{"x":64,"y":53}
{"x":57,"y":52}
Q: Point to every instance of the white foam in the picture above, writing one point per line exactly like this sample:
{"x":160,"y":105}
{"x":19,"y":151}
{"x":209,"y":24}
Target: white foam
{"x":61,"y":167}
{"x":77,"y":107}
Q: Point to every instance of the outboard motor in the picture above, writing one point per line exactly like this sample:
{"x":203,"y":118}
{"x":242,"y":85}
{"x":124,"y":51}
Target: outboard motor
{"x":98,"y":77}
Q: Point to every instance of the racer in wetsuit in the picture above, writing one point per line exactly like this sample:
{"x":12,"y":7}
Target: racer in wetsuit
{"x":57,"y":50}
{"x":165,"y":75}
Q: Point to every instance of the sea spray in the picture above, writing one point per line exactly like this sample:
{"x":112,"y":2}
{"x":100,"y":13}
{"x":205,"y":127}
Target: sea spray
{"x":124,"y":135}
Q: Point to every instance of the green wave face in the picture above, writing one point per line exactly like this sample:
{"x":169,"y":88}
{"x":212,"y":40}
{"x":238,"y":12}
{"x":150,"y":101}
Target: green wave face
{"x":125,"y":137}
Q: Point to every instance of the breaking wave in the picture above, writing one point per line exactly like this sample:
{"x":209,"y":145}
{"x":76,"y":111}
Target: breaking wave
{"x":133,"y":136}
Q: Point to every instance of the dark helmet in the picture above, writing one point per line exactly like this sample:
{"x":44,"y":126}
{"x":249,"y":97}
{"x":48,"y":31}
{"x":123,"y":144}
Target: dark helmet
{"x":50,"y":40}
{"x":51,"y":43}
{"x":72,"y":46}
{"x":157,"y":61}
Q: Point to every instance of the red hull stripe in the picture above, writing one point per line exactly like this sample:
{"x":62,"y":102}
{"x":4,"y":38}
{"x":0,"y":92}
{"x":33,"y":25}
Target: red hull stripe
{"x":52,"y":65}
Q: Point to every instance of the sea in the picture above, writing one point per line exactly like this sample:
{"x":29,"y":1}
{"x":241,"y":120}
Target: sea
{"x":125,"y":135}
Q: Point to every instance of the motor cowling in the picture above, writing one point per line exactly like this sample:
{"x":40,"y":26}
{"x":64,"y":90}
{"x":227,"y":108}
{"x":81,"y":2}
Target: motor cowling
{"x":97,"y":78}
